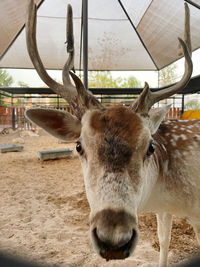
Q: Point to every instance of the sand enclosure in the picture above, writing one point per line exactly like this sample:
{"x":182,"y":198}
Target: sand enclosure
{"x":44,"y":214}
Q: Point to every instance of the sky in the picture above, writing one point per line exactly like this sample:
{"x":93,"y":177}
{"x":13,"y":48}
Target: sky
{"x":31,"y":77}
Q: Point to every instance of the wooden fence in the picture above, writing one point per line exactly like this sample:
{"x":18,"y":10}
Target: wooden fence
{"x":14,"y":117}
{"x":173,"y":114}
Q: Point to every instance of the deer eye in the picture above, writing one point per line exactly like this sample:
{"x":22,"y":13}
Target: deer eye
{"x":151,"y":149}
{"x":78,"y":147}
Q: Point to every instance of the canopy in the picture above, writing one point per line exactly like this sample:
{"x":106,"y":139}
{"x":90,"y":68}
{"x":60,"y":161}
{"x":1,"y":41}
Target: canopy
{"x":122,"y":35}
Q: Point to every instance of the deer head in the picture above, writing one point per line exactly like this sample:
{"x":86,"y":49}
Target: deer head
{"x":116,"y":146}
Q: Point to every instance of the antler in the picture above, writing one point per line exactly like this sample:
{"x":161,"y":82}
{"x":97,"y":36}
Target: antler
{"x":78,"y":98}
{"x":147,"y":98}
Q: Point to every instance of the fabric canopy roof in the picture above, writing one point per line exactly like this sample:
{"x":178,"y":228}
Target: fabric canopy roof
{"x":146,"y":39}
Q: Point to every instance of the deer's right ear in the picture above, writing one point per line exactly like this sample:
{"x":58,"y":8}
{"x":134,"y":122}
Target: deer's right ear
{"x":62,"y":125}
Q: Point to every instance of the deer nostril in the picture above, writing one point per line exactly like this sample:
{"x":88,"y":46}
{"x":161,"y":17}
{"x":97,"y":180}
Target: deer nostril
{"x":101,"y":243}
{"x":134,"y":234}
{"x":121,"y":250}
{"x":127,"y":253}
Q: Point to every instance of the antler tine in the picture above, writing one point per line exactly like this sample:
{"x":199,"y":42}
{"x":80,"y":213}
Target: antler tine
{"x":187,"y":36}
{"x":70,"y":49}
{"x":84,"y":98}
{"x":141,"y":105}
{"x":78,"y":98}
{"x":148,"y":98}
{"x":31,"y":21}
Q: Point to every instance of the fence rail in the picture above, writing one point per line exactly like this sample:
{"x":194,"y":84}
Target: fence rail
{"x":14,"y":117}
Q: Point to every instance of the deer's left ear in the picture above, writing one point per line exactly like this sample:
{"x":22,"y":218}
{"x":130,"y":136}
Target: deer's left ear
{"x":156,"y":116}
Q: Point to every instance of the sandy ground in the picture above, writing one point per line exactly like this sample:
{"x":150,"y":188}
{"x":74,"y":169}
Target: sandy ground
{"x":44,"y":212}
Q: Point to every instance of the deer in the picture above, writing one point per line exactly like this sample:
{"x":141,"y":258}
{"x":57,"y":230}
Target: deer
{"x":133,"y":160}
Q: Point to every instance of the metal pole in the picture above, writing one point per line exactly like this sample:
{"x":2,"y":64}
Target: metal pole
{"x":85,"y":42}
{"x":158,"y":84}
{"x":13,"y":113}
{"x":58,"y":102}
{"x":193,"y":4}
{"x":183,"y":103}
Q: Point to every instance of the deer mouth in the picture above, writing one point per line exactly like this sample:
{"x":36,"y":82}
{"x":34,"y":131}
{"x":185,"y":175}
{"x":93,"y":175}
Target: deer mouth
{"x":115,"y":252}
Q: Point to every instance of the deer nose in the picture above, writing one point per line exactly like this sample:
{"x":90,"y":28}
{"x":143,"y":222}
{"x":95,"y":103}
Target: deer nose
{"x":119,"y":250}
{"x":114,"y":233}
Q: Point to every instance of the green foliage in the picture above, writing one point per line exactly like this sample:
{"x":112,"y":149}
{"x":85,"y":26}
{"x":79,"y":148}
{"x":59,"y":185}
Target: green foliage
{"x":131,"y":82}
{"x":168,"y":75}
{"x":193,"y":104}
{"x":5,"y":81}
{"x":104,"y":79}
{"x":22,"y":84}
{"x":5,"y":78}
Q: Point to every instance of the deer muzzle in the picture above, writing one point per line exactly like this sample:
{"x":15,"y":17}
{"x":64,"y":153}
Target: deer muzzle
{"x":114,"y":234}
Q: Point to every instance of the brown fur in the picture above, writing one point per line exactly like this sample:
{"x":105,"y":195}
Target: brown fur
{"x":182,"y":128}
{"x":121,"y":120}
{"x":119,"y":129}
{"x":173,"y":149}
{"x":160,"y":155}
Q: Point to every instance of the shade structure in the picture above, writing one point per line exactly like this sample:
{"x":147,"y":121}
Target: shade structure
{"x":122,"y":35}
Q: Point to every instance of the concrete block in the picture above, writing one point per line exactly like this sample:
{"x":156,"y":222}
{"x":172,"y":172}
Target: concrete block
{"x":55,"y":154}
{"x":11,"y":148}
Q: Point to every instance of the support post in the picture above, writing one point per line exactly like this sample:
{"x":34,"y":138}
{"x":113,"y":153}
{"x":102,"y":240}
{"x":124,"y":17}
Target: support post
{"x":183,"y":103}
{"x":58,"y":102}
{"x":85,"y":42}
{"x":13,"y":113}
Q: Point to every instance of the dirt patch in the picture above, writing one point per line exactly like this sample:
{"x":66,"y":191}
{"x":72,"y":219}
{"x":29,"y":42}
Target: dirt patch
{"x":44,"y":214}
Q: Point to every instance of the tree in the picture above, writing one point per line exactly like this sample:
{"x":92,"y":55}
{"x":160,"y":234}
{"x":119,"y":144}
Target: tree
{"x":131,"y":82}
{"x":168,"y":75}
{"x":102,"y":79}
{"x":193,"y":104}
{"x":5,"y":78}
{"x":21,"y":101}
{"x":22,"y":84}
{"x":5,"y":81}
